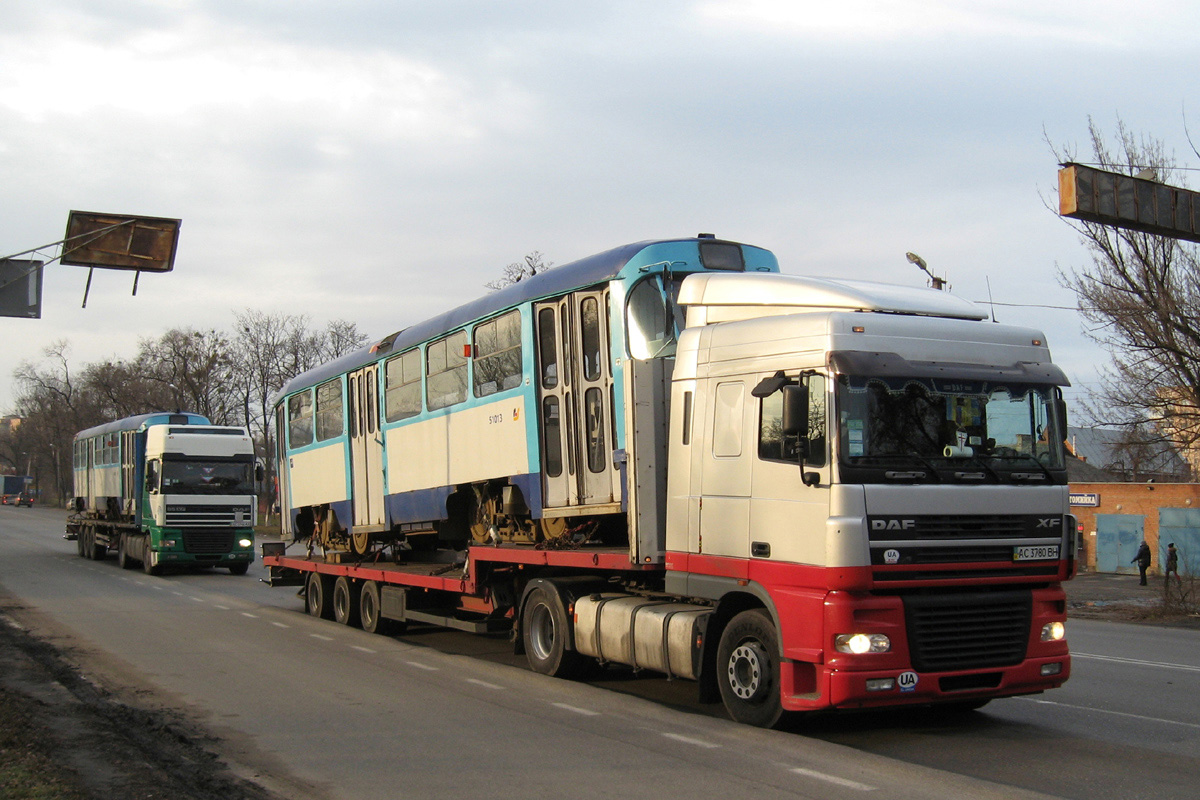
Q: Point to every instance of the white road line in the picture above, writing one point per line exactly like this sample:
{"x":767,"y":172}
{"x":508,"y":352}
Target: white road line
{"x":689,"y":740}
{"x":821,"y":776}
{"x":177,"y":594}
{"x":484,"y":684}
{"x":587,"y":712}
{"x":248,"y":614}
{"x":199,"y":599}
{"x":223,"y":608}
{"x":361,"y":649}
{"x":322,"y":638}
{"x":1137,"y":662}
{"x":419,"y":665}
{"x":280,"y":625}
{"x":1111,"y":713}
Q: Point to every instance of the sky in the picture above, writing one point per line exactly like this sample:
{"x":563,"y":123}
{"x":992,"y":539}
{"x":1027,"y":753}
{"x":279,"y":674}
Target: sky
{"x":380,"y":161}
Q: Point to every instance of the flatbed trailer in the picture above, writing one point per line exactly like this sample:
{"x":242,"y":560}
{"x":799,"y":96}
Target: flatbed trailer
{"x":454,"y":589}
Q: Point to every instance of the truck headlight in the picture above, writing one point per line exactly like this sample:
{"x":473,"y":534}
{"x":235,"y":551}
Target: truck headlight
{"x":860,"y":643}
{"x":245,"y":543}
{"x":1054,"y":632}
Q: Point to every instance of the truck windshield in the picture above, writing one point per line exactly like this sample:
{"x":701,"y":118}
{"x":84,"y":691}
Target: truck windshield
{"x":945,"y":429}
{"x":207,"y":477}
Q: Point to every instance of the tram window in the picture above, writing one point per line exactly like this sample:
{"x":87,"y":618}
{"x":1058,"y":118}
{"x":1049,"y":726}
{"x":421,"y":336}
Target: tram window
{"x":552,"y":437}
{"x":498,"y":354}
{"x":548,"y":353}
{"x":590,"y":313}
{"x":300,"y":420}
{"x":593,"y":404}
{"x":402,"y":382}
{"x":653,"y":318}
{"x":329,"y":410}
{"x":568,"y":353}
{"x":446,"y":368}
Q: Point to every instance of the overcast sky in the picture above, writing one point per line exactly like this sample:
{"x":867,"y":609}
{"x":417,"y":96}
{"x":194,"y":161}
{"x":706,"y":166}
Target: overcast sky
{"x":380,"y":161}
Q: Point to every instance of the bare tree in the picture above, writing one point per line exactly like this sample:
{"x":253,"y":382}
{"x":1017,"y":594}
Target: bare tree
{"x":520,"y":270}
{"x":1140,"y":296}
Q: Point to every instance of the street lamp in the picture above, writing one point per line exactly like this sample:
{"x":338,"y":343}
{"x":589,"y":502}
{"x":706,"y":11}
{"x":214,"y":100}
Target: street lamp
{"x":938,"y":283}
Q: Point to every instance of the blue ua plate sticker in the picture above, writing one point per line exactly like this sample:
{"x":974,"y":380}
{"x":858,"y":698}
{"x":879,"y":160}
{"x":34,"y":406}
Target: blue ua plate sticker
{"x":907,"y":681}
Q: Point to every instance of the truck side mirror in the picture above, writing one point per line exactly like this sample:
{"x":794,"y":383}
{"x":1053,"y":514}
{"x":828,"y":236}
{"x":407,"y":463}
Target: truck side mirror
{"x":795,"y":411}
{"x":1061,"y":406}
{"x":258,"y":473}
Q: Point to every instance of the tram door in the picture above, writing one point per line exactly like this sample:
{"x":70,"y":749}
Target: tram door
{"x":366,"y":446}
{"x":283,"y":498}
{"x":575,"y":400}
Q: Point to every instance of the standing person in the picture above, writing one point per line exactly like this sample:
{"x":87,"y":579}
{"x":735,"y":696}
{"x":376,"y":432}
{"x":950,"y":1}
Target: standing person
{"x":1172,"y":563}
{"x":1143,"y":560}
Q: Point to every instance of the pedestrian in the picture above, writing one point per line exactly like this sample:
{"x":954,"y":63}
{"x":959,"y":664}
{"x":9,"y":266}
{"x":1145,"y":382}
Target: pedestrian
{"x":1143,"y":560}
{"x":1172,"y":564}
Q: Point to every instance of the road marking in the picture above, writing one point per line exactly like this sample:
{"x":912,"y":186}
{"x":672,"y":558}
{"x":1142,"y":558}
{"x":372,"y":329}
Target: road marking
{"x":322,"y":638}
{"x":280,"y":625}
{"x":177,"y":594}
{"x":587,"y":712}
{"x":1137,"y":662}
{"x":419,"y":665}
{"x":198,"y":599}
{"x":248,"y":614}
{"x":361,"y":649}
{"x":484,"y":684}
{"x":1111,"y":713}
{"x":689,"y":740}
{"x":821,"y":776}
{"x":223,"y":608}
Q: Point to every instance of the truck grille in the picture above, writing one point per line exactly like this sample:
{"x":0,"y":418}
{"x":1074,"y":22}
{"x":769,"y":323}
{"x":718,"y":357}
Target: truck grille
{"x":208,"y":541}
{"x":181,"y":516}
{"x":968,"y":631}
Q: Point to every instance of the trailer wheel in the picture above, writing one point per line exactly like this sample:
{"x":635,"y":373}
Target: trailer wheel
{"x":80,"y":539}
{"x":318,"y":596}
{"x":345,"y":602}
{"x":748,"y":669}
{"x":544,"y":634}
{"x":85,"y":549}
{"x":370,"y":612}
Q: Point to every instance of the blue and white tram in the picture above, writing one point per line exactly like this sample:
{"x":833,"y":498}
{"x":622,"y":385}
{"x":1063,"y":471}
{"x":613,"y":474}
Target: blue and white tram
{"x":510,"y":418}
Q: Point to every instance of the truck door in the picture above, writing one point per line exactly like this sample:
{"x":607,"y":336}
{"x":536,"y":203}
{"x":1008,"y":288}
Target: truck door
{"x":575,"y":400}
{"x":725,"y":476}
{"x":366,"y":447}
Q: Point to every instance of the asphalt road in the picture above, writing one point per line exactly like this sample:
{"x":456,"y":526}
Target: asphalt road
{"x":317,"y":710}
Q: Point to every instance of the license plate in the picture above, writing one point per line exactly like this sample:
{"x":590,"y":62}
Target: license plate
{"x":1041,"y":553}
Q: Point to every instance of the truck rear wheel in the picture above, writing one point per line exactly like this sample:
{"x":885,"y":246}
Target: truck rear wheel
{"x":318,"y":596}
{"x":345,"y":602}
{"x":544,"y":633}
{"x":123,"y":559}
{"x":748,"y":669}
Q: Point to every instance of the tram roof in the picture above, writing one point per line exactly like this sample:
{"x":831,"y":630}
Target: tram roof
{"x":587,"y":271}
{"x":138,"y":420}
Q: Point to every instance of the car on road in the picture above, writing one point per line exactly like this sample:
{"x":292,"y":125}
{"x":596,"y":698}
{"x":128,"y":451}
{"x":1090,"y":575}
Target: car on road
{"x":22,"y":499}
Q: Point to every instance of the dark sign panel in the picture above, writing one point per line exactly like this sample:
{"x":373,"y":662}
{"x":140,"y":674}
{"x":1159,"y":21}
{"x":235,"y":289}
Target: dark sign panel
{"x":120,"y":241}
{"x":1124,"y":201}
{"x":20,"y":288}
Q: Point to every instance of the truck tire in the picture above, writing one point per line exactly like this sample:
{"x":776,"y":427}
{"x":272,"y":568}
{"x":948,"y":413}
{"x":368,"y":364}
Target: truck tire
{"x":544,"y":633}
{"x":318,"y":596}
{"x":748,"y":669}
{"x":81,"y":541}
{"x":240,"y":568}
{"x":345,"y":602}
{"x":123,"y":559}
{"x":148,"y":565}
{"x":370,"y":612}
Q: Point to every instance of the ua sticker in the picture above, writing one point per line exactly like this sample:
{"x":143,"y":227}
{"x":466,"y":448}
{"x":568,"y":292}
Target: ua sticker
{"x":891,"y":556}
{"x":907,"y":681}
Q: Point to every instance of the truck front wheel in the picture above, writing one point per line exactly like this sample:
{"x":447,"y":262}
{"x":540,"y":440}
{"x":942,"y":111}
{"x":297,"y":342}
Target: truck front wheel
{"x":748,"y":669}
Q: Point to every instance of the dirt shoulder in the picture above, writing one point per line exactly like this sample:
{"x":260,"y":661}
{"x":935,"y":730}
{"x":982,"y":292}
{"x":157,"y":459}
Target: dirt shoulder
{"x":64,"y":738}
